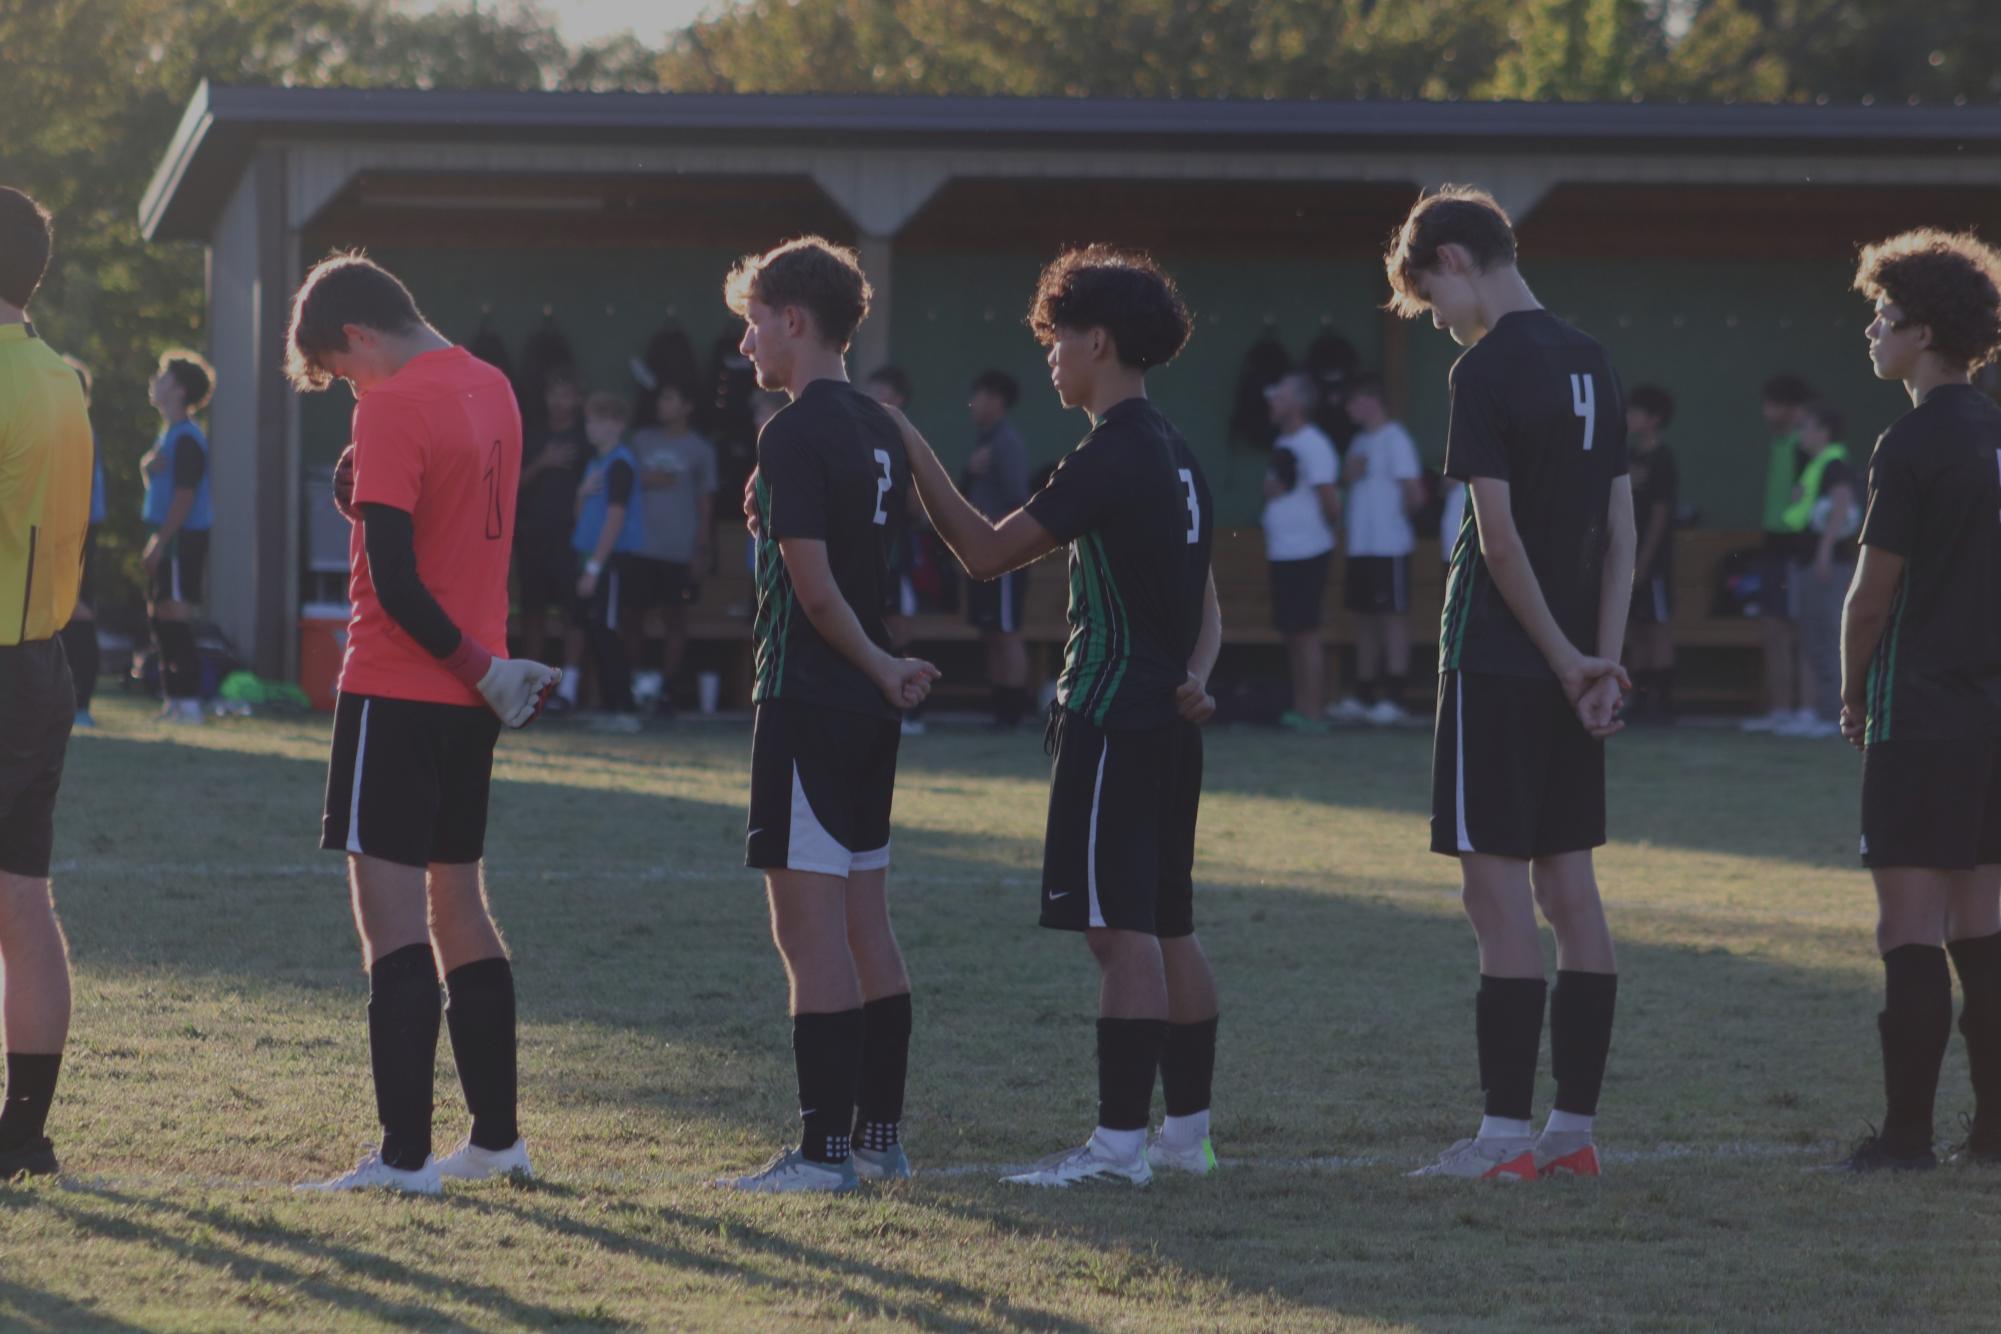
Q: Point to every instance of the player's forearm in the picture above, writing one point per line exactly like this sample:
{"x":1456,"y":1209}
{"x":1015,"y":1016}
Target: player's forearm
{"x":1615,"y":598}
{"x":388,"y":540}
{"x":1862,"y":622}
{"x":1515,"y":577}
{"x":177,"y":513}
{"x":1209,"y":642}
{"x":969,"y":533}
{"x":614,"y":520}
{"x":836,"y":623}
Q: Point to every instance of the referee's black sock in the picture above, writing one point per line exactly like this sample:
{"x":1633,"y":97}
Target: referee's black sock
{"x":480,"y":1015}
{"x":1915,"y":1026}
{"x":403,"y":1012}
{"x":80,"y":647}
{"x":31,"y":1087}
{"x":827,"y":1052}
{"x":1580,"y":1037}
{"x":884,"y":1067}
{"x":1507,"y":1025}
{"x":1128,"y":1059}
{"x":1979,"y":964}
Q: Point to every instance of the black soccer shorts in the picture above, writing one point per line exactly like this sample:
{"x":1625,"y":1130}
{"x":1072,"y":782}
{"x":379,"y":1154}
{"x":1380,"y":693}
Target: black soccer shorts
{"x":179,"y":576}
{"x":821,"y":784}
{"x":1934,"y":805}
{"x":997,"y":604}
{"x":37,"y":707}
{"x":408,"y":780}
{"x":1513,"y":773}
{"x":1119,"y":851}
{"x":1298,"y":588}
{"x":1377,"y":585}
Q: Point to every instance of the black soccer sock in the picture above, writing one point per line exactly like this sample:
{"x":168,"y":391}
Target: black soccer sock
{"x":1393,"y":687}
{"x":1916,"y":1026}
{"x":80,"y":647}
{"x":1128,"y":1058}
{"x":1188,"y":1067}
{"x":652,"y":654}
{"x":827,"y":1052}
{"x":403,"y":1013}
{"x":1507,"y":1024}
{"x":180,"y":661}
{"x":1580,"y":1036}
{"x":997,"y":704}
{"x":1365,"y":690}
{"x":480,"y":1016}
{"x":885,"y":1065}
{"x":1978,"y":962}
{"x":1664,"y":692}
{"x":31,"y":1087}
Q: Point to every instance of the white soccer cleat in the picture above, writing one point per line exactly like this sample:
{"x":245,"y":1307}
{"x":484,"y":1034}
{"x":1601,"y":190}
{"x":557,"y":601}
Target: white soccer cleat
{"x":1092,"y":1163}
{"x":1349,"y":710}
{"x":890,"y":1164}
{"x":371,"y":1173}
{"x":469,"y":1162}
{"x":1499,"y":1158}
{"x":1770,"y":722}
{"x":1198,"y":1158}
{"x":793,"y":1173}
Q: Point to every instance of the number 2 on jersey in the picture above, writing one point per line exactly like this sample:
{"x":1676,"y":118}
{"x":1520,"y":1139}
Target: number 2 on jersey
{"x":882,"y":486}
{"x":1194,"y":507}
{"x":1584,"y":402}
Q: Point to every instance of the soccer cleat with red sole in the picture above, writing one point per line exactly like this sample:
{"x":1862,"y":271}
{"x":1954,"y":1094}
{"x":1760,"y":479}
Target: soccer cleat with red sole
{"x":1567,"y":1153}
{"x":1495,"y":1159}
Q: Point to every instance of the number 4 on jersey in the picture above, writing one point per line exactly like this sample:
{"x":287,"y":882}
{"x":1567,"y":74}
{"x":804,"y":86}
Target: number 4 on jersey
{"x":1584,"y":402}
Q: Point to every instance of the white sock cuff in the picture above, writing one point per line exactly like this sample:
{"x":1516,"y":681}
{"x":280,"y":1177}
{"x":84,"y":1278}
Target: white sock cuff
{"x":1120,"y":1143}
{"x":1190,"y":1129}
{"x":1567,"y":1123}
{"x":1502,"y":1127}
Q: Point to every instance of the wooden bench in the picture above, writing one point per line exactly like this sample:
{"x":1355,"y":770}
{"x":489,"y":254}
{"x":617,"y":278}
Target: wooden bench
{"x":1719,"y":653}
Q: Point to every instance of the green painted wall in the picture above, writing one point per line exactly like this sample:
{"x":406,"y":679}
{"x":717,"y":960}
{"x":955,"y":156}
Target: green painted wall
{"x":1710,"y":333}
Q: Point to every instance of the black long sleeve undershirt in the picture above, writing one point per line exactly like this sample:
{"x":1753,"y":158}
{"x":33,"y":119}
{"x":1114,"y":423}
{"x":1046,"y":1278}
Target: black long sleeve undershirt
{"x":389,"y":536}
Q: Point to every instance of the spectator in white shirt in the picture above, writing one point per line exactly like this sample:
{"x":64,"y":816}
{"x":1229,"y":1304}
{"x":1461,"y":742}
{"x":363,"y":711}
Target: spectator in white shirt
{"x":1385,"y":487}
{"x":1302,"y":513}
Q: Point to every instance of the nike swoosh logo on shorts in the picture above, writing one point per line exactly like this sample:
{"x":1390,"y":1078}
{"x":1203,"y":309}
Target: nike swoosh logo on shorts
{"x":1064,"y":895}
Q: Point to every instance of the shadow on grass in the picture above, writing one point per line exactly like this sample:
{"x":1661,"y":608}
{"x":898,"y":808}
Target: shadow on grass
{"x":1342,"y":1012}
{"x":25,"y":1307}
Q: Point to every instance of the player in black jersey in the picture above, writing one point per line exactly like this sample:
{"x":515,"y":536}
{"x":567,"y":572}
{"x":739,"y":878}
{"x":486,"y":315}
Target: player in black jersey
{"x":1921,"y":685}
{"x":1529,"y":682}
{"x":826,"y":504}
{"x":1131,"y":504}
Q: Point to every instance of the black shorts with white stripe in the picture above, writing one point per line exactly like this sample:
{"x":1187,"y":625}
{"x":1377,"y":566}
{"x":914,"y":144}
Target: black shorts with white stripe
{"x":1513,"y":773}
{"x":1653,"y":600}
{"x":1119,"y":850}
{"x":408,"y":780}
{"x":821,"y":785}
{"x":1377,"y":585}
{"x":996,"y":604}
{"x":180,"y":574}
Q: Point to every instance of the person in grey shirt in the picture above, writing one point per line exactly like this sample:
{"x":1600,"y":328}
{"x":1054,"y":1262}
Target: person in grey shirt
{"x":996,"y":482}
{"x":677,"y":483}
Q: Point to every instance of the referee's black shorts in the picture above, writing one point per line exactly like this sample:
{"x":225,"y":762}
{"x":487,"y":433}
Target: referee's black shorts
{"x":37,"y":706}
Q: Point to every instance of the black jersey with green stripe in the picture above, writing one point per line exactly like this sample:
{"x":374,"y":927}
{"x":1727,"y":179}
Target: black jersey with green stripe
{"x":1935,"y":500}
{"x":830,"y":467}
{"x":1132,"y":503}
{"x":1535,"y":404}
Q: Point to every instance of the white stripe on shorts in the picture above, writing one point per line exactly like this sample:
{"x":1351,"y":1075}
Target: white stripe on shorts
{"x":354,"y":793}
{"x":1459,"y":760}
{"x":1091,"y":846}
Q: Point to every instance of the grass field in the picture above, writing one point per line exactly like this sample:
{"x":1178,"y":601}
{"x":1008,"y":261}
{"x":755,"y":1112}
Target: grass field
{"x":218,"y":1052}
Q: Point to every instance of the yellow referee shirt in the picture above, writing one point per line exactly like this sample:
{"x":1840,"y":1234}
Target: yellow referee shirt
{"x":45,"y":458}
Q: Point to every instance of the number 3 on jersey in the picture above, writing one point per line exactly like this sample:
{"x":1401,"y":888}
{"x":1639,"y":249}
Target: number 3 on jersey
{"x":882,"y":485}
{"x":1584,"y":402}
{"x":1194,"y":507}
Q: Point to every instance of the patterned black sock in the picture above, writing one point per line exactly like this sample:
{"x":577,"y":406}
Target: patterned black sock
{"x":403,"y":1014}
{"x":1580,"y":1037}
{"x":885,"y":1065}
{"x":180,"y":665}
{"x":1128,"y":1060}
{"x":1507,"y":1024}
{"x":1365,"y":691}
{"x":31,"y":1087}
{"x":1393,"y":687}
{"x":1916,"y":1028}
{"x":827,"y":1053}
{"x":1188,"y":1067}
{"x":1978,"y":962}
{"x":480,"y":1016}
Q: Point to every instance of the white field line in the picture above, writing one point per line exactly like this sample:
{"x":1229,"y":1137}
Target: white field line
{"x":1661,"y":1153}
